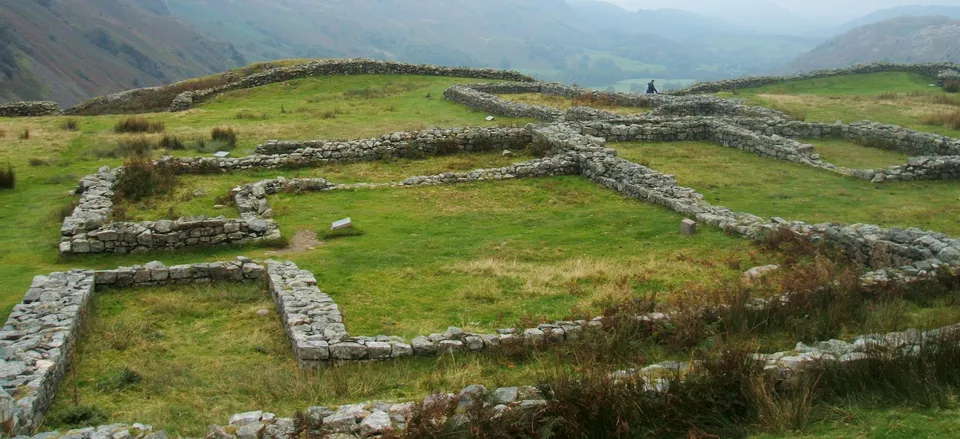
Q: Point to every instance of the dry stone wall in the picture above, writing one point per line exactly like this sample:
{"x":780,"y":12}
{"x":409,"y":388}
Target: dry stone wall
{"x":414,"y":144}
{"x":29,"y":109}
{"x":343,"y":67}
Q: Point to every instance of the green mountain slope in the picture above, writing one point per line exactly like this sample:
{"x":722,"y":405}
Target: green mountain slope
{"x":70,"y":50}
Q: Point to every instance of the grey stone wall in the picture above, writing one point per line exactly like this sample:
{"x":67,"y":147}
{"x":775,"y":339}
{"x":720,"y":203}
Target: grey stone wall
{"x":416,"y":144}
{"x":900,"y":254}
{"x":29,"y":109}
{"x":928,"y":69}
{"x":88,"y":229}
{"x":343,"y":67}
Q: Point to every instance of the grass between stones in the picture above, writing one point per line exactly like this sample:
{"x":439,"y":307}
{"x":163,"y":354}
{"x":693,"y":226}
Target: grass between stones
{"x":748,"y":183}
{"x":904,"y":99}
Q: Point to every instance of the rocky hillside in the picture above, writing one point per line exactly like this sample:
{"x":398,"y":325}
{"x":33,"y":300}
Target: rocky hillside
{"x":70,"y":50}
{"x":906,"y":39}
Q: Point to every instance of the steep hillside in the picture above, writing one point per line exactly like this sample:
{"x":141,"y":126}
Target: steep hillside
{"x":70,"y":50}
{"x":906,"y":39}
{"x":890,"y":13}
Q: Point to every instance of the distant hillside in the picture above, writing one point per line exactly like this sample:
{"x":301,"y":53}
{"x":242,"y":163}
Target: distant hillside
{"x":900,"y":40}
{"x":70,"y":50}
{"x":890,"y":13}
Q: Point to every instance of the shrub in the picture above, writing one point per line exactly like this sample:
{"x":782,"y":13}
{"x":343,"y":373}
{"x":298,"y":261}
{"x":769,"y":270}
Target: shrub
{"x":8,"y":178}
{"x":888,"y":96}
{"x":36,"y":161}
{"x":142,"y":178}
{"x":225,"y":136}
{"x":951,"y":86}
{"x":25,"y":134}
{"x":138,"y":124}
{"x":71,"y":124}
{"x":945,"y":119}
{"x":171,"y":142}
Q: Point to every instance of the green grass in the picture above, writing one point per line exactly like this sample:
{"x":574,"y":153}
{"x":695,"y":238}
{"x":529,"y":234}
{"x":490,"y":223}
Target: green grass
{"x":390,"y":104}
{"x":880,"y":423}
{"x":764,"y":187}
{"x":198,"y":194}
{"x":203,"y":354}
{"x":483,"y":256}
{"x":851,"y":155}
{"x":892,"y":97}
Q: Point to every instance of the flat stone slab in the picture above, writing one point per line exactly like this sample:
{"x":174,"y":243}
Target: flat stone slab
{"x":345,"y":223}
{"x":221,"y":154}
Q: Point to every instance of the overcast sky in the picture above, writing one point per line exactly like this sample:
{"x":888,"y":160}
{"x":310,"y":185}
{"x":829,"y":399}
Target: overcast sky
{"x":839,"y":10}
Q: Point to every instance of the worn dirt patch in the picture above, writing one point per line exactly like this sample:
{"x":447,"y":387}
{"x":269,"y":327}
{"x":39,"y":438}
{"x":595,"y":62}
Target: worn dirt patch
{"x":302,"y":241}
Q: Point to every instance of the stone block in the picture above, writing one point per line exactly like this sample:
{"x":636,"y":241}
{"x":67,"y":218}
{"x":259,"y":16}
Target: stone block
{"x":688,"y":227}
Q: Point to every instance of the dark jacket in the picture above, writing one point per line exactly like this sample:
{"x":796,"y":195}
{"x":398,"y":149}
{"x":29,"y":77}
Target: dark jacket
{"x":651,"y":88}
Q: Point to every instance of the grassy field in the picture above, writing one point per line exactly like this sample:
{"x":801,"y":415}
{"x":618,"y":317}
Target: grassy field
{"x":483,"y":255}
{"x":563,"y":103}
{"x":480,"y":255}
{"x":51,"y":158}
{"x":899,"y":98}
{"x":745,"y":182}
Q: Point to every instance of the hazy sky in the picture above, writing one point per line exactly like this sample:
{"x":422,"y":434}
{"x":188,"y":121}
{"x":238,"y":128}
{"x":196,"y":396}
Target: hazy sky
{"x":837,"y":9}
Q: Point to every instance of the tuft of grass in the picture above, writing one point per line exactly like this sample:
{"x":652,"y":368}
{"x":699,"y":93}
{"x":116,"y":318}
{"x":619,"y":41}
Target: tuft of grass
{"x":8,"y":177}
{"x":79,"y":416}
{"x":138,"y":124}
{"x":62,"y":211}
{"x":71,"y":124}
{"x":25,"y":134}
{"x":247,"y":114}
{"x":3,"y":132}
{"x":951,"y":86}
{"x":36,"y":161}
{"x":224,"y":136}
{"x":171,"y":143}
{"x":118,"y":379}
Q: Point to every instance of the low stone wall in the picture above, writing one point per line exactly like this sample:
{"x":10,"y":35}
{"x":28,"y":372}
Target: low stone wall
{"x":484,"y":97}
{"x":910,"y":252}
{"x":88,"y":230}
{"x":29,"y":109}
{"x":37,"y":341}
{"x":927,"y":69}
{"x":41,"y":331}
{"x":344,"y":67}
{"x":414,"y":144}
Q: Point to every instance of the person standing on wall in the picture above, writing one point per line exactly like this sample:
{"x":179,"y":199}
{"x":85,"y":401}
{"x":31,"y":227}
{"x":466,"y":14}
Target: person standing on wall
{"x":652,"y":89}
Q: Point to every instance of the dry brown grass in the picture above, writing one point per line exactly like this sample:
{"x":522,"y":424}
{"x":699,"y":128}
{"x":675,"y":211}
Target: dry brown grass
{"x":947,"y":119}
{"x":599,"y":282}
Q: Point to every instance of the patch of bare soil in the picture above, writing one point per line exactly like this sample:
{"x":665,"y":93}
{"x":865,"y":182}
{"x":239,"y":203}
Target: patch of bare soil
{"x":303,"y":241}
